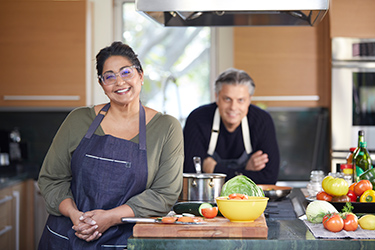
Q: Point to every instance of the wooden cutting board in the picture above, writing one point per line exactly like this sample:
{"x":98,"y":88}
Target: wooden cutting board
{"x":219,"y":227}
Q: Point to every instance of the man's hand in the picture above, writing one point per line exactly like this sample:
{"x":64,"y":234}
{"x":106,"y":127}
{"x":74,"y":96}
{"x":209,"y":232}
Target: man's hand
{"x":209,"y":165}
{"x":257,"y":161}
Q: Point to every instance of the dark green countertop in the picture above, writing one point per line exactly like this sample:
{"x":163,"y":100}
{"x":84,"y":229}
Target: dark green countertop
{"x":283,"y":234}
{"x":290,"y":233}
{"x":11,"y":175}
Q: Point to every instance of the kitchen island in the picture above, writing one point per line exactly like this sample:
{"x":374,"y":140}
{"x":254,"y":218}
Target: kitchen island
{"x":285,"y":231}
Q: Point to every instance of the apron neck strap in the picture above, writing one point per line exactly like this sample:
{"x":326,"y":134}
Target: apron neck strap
{"x":215,"y":134}
{"x":142,"y":127}
{"x":98,"y":119}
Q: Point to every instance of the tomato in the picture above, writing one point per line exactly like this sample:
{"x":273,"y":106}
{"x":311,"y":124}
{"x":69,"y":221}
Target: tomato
{"x":333,"y":222}
{"x":351,"y":187}
{"x":350,"y":221}
{"x":362,"y":186}
{"x":210,"y":212}
{"x":238,"y":197}
{"x":323,"y":196}
{"x":342,"y":198}
{"x":335,"y":186}
{"x":168,"y":219}
{"x":352,"y":196}
{"x":185,"y":219}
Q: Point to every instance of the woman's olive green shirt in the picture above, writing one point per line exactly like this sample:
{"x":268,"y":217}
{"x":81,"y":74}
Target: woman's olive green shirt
{"x":165,"y":155}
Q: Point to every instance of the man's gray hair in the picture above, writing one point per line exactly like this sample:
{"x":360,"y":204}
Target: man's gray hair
{"x":234,"y":76}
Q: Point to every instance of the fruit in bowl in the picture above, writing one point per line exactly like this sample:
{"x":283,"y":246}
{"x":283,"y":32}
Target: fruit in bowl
{"x":242,"y":210}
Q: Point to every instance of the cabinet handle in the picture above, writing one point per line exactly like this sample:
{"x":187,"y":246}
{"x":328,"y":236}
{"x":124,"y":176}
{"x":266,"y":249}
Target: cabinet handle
{"x":7,"y":198}
{"x":5,"y":230}
{"x":41,"y":98}
{"x":286,"y":98}
{"x":16,"y":194}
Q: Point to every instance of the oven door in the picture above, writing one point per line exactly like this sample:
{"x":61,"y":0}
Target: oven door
{"x":353,"y":107}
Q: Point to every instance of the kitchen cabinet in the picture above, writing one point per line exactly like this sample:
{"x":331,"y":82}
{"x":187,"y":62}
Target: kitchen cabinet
{"x":42,"y":47}
{"x":352,"y":18}
{"x":16,"y":216}
{"x":289,"y":65}
{"x":7,"y":223}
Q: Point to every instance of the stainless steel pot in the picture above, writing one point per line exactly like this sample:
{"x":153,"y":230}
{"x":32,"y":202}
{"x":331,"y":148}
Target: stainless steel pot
{"x":201,"y":187}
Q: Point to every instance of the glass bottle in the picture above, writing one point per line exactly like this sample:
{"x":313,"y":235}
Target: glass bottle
{"x":361,"y":138}
{"x":361,"y":160}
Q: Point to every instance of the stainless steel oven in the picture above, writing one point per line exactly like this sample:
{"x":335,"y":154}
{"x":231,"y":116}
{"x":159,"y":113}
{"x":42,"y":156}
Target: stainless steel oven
{"x":353,"y":95}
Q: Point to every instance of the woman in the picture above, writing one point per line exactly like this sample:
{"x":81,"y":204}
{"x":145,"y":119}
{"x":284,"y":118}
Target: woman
{"x":110,"y":161}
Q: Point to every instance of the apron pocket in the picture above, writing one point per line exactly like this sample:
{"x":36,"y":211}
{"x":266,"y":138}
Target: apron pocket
{"x":100,"y":172}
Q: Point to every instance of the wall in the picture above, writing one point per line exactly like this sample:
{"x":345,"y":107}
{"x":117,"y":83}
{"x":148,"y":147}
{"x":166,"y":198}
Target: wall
{"x":101,"y":35}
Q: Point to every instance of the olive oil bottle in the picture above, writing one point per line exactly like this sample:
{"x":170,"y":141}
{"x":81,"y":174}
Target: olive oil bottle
{"x":361,"y":160}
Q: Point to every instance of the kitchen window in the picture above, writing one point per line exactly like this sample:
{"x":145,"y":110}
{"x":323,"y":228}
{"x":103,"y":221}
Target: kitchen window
{"x":176,"y":61}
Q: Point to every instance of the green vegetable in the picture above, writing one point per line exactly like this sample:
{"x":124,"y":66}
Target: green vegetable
{"x":369,"y":175}
{"x":316,"y":210}
{"x":191,"y":207}
{"x":348,"y":208}
{"x":241,"y":184}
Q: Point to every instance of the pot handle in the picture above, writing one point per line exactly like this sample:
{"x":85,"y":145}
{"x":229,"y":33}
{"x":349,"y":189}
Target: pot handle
{"x":212,"y":183}
{"x":194,"y":183}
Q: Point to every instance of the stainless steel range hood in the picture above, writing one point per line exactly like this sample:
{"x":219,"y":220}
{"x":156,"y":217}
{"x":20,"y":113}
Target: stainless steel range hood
{"x":234,"y":12}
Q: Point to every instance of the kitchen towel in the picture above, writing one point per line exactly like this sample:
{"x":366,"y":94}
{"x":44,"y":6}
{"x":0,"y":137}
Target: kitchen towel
{"x":319,"y":231}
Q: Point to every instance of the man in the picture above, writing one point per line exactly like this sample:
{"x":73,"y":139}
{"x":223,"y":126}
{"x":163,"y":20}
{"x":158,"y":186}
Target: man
{"x":232,"y":136}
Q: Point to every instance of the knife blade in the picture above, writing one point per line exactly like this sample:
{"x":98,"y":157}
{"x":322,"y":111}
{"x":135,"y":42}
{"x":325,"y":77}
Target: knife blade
{"x":151,"y":220}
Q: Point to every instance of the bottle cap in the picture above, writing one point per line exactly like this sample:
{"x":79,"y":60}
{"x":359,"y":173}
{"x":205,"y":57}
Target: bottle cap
{"x":361,"y":132}
{"x":352,"y":149}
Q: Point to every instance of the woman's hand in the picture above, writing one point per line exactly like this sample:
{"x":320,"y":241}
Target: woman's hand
{"x":101,"y":218}
{"x":84,"y":225}
{"x":86,"y":228}
{"x":257,"y":161}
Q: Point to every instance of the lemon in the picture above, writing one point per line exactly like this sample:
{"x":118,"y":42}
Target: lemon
{"x":367,"y":222}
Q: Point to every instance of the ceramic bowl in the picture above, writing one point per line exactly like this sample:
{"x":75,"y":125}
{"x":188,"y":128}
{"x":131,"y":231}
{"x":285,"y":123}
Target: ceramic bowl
{"x":242,"y":210}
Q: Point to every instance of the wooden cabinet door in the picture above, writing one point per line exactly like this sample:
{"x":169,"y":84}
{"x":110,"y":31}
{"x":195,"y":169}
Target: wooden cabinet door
{"x":289,"y":65}
{"x":23,"y":194}
{"x":350,"y":18}
{"x":7,"y":216}
{"x":42,"y":51}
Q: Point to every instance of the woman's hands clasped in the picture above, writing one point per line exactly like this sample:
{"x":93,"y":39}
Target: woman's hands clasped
{"x":92,"y":224}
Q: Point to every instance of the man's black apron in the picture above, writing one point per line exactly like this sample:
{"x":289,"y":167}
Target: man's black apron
{"x":239,"y":163}
{"x":106,"y":172}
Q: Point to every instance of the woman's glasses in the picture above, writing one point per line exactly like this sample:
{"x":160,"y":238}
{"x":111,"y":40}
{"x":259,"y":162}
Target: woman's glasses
{"x":126,"y":73}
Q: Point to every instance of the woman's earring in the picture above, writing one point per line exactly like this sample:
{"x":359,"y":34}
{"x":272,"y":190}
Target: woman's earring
{"x":142,"y":83}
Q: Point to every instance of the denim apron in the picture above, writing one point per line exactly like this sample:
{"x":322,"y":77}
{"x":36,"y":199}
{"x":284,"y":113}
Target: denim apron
{"x":239,"y":163}
{"x":106,"y":172}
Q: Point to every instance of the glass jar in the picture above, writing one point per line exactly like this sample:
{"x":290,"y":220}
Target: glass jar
{"x":315,"y":184}
{"x":347,"y":172}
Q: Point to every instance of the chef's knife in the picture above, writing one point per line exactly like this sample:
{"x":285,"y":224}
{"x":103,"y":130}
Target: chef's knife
{"x":151,"y":220}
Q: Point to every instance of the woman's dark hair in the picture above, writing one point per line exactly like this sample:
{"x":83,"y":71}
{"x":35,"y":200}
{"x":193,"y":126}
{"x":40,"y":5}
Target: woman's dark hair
{"x":117,"y":49}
